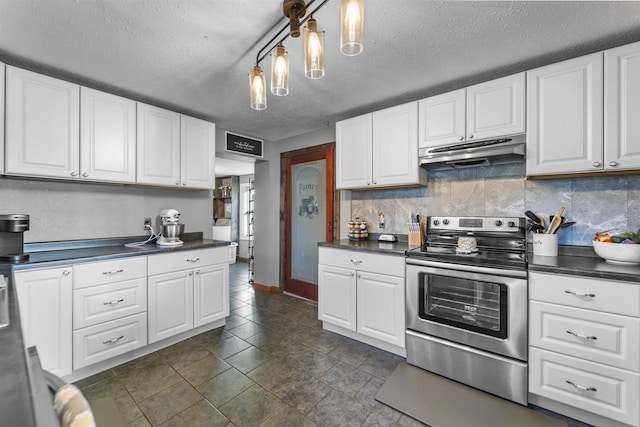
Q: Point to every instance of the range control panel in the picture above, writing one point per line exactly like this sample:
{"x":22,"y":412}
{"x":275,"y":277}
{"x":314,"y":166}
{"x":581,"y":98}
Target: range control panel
{"x":501,"y":224}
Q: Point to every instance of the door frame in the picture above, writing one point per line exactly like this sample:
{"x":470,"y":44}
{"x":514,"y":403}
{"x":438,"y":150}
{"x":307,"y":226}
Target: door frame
{"x":285,"y":205}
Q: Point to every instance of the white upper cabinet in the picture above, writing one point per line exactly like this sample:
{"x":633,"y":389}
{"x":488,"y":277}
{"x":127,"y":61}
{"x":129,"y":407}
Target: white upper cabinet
{"x":622,"y":107}
{"x":353,"y":152}
{"x":487,"y":110}
{"x":379,"y":149}
{"x":395,"y":146}
{"x":107,"y":137}
{"x":565,"y":116}
{"x":42,"y":125}
{"x":198,"y":151}
{"x":158,"y":153}
{"x":2,"y":101}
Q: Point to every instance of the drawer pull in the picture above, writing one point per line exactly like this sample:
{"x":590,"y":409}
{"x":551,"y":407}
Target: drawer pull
{"x":114,"y":302}
{"x":584,"y":337}
{"x":355,"y":261}
{"x":193,"y":259}
{"x":112,"y":272}
{"x":580,"y":387}
{"x":113,"y":340}
{"x":580,"y":294}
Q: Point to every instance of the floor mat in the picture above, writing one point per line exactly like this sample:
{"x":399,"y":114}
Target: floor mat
{"x":439,"y":402}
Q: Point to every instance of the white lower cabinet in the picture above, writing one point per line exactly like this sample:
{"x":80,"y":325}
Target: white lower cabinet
{"x":186,"y":290}
{"x":584,"y":354}
{"x":44,"y":298}
{"x":363,"y":293}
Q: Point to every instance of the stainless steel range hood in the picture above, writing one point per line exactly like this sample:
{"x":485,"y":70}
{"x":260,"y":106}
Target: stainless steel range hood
{"x":508,"y":149}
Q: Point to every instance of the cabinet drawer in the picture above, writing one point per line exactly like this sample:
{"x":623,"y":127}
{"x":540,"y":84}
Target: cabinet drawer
{"x":97,"y":304}
{"x":106,"y":340}
{"x":184,"y":260}
{"x":117,"y":270}
{"x":604,"y":390}
{"x":392,"y":265}
{"x":592,"y":335}
{"x":583,"y":292}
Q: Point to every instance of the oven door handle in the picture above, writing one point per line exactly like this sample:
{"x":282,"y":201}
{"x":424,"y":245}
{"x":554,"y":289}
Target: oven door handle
{"x":468,"y":268}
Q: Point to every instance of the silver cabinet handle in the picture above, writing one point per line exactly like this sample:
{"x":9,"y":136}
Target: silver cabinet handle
{"x":113,"y":340}
{"x":85,"y":174}
{"x":460,"y":138}
{"x":368,"y":183}
{"x":355,"y":261}
{"x":114,"y":302}
{"x":184,"y":183}
{"x":193,"y":259}
{"x":65,"y":273}
{"x":359,"y":276}
{"x":580,"y":387}
{"x":584,"y":337}
{"x":375,"y":182}
{"x":112,"y":272}
{"x":74,"y":173}
{"x":613,"y":164}
{"x":597,"y":164}
{"x":352,"y":274}
{"x":470,"y":136}
{"x":191,"y":273}
{"x":197,"y":271}
{"x":580,"y":294}
{"x":177,"y":182}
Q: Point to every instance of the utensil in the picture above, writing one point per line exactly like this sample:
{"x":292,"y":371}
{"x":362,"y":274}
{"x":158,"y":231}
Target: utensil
{"x":566,"y":224}
{"x":556,"y":221}
{"x":535,"y":218}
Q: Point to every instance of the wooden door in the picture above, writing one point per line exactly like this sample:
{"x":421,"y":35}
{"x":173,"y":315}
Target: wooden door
{"x":308,"y":219}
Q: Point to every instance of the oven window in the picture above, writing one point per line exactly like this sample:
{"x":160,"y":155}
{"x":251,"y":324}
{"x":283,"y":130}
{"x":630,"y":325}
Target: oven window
{"x":473,"y":305}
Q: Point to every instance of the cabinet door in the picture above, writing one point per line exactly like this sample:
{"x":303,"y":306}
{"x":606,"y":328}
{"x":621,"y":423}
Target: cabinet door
{"x":622,"y":107}
{"x":45,"y":301}
{"x":2,"y":102}
{"x":442,"y":119}
{"x":565,"y":117}
{"x":107,"y":137}
{"x":395,"y":146}
{"x":198,"y":150}
{"x":496,"y":108}
{"x":42,"y":125}
{"x":210,"y":294}
{"x":158,"y":140}
{"x":353,"y":152}
{"x":337,"y":296}
{"x":381,"y":307}
{"x":170,"y":305}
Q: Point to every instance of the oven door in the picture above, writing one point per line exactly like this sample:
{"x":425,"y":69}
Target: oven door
{"x":480,"y":307}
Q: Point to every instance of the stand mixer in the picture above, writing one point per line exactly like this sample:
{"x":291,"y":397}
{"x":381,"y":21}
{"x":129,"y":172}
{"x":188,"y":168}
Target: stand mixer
{"x":171,"y":228}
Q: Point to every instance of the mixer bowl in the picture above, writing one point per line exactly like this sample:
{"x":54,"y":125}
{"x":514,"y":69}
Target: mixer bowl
{"x":172,"y":231}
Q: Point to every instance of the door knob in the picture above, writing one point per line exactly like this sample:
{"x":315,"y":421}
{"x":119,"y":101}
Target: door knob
{"x":85,"y":174}
{"x":470,"y":136}
{"x":596,"y":164}
{"x":74,"y":173}
{"x":460,"y":138}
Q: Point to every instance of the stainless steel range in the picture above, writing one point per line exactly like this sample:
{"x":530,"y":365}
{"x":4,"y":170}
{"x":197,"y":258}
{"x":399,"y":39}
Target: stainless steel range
{"x":466,"y":302}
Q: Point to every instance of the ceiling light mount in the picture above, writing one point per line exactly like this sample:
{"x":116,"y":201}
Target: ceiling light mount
{"x":294,"y":10}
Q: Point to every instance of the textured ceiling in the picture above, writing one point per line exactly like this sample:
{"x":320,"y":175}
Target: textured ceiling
{"x":194,"y":55}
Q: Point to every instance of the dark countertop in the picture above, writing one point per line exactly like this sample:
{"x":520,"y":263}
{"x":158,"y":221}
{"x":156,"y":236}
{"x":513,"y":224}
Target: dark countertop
{"x":16,"y":396}
{"x":389,"y":248}
{"x":594,"y":267}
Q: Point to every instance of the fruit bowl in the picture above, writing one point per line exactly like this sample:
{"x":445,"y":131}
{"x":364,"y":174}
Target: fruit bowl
{"x":618,"y":253}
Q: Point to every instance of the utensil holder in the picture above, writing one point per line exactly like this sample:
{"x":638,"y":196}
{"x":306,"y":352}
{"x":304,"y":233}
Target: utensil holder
{"x":545,"y":244}
{"x":415,"y":233}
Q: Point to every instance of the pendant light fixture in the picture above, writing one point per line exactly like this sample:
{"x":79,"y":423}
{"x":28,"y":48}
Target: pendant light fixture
{"x":296,"y":14}
{"x":280,"y":72}
{"x":258,"y":88}
{"x":313,"y":50}
{"x":352,"y":29}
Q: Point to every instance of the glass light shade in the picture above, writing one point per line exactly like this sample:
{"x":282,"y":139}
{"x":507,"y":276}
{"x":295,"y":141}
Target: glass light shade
{"x":352,"y":27}
{"x":258,"y":88}
{"x":313,"y":50}
{"x":280,"y":72}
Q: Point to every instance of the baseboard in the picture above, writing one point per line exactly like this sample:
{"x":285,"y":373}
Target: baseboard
{"x":243,"y":259}
{"x":266,"y":288}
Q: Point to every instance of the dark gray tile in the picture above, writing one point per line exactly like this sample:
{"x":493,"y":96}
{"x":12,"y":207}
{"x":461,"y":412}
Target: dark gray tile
{"x":111,"y":387}
{"x":346,"y":378}
{"x":202,"y":414}
{"x":267,"y":340}
{"x":228,"y":347}
{"x":169,"y":402}
{"x":94,"y":379}
{"x":143,"y":362}
{"x":286,"y":417}
{"x":183,"y":354}
{"x":140,"y":422}
{"x":248,"y":359}
{"x":378,"y":420}
{"x":234,"y":320}
{"x":252,"y":407}
{"x":247,"y":310}
{"x":272,"y":374}
{"x":204,"y":369}
{"x":224,"y":387}
{"x":368,"y":396}
{"x":301,"y":392}
{"x":245,"y":330}
{"x":338,"y":409}
{"x":381,"y":364}
{"x":407,"y":421}
{"x":142,"y":383}
{"x":314,"y":363}
{"x":129,"y":408}
{"x":213,"y":336}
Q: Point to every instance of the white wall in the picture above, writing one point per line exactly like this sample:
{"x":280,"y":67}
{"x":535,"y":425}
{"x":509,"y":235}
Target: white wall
{"x":267,"y":219}
{"x":71,"y":210}
{"x":243,"y":244}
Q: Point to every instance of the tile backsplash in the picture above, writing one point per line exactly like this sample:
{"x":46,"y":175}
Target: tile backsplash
{"x":595,"y":203}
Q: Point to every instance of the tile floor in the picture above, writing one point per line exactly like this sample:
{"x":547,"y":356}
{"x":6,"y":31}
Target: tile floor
{"x":271,"y":365}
